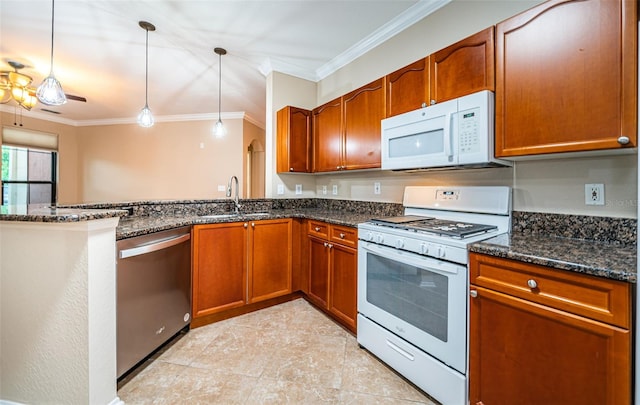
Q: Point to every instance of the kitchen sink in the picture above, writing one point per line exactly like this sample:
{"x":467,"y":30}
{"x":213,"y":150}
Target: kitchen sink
{"x":241,"y":215}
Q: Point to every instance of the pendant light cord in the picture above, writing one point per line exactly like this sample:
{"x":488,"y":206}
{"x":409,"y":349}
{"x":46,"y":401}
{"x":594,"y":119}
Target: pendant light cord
{"x":219,"y":86}
{"x":53,"y":7}
{"x":146,"y":74}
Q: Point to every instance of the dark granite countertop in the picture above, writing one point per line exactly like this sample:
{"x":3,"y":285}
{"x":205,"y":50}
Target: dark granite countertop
{"x":142,"y":225}
{"x":613,"y":261}
{"x":44,"y":213}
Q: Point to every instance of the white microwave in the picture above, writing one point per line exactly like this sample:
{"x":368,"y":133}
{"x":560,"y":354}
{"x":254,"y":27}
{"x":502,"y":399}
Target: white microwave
{"x":455,"y":133}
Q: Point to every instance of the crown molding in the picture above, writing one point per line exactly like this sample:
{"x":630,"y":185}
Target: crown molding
{"x":407,"y":18}
{"x":403,"y":21}
{"x":11,"y":109}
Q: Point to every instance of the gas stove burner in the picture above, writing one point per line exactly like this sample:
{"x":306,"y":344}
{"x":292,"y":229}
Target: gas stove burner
{"x":431,"y":225}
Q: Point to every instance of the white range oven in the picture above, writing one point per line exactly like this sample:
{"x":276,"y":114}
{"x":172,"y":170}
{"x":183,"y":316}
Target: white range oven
{"x":413,"y":283}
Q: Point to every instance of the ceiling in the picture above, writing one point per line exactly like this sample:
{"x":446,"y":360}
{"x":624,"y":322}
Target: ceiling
{"x":99,"y":50}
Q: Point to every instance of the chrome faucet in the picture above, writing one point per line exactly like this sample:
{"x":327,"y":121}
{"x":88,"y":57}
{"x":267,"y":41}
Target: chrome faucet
{"x":235,"y":199}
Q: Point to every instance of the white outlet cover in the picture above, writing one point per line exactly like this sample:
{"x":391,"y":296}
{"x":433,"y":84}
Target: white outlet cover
{"x":280,"y":189}
{"x":594,"y":194}
{"x":221,"y":187}
{"x":335,"y":189}
{"x":298,"y":189}
{"x":376,"y":187}
{"x":324,"y":190}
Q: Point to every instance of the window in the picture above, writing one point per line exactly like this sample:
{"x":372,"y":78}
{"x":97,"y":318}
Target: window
{"x":28,"y":176}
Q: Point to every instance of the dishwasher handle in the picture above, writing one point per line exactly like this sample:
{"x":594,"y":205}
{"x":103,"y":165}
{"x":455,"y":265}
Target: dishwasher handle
{"x":153,"y":247}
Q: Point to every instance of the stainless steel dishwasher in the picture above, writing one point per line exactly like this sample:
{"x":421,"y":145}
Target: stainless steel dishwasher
{"x":153,"y":293}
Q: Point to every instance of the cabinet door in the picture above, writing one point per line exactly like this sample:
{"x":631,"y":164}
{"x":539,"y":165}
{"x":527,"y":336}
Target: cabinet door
{"x":327,"y":137}
{"x":343,"y":284}
{"x":363,"y":110}
{"x":566,"y":78}
{"x":219,"y":267}
{"x":463,"y":68}
{"x":293,"y":139}
{"x":269,"y":259}
{"x":408,"y":88}
{"x":318,"y":271}
{"x":526,"y":353}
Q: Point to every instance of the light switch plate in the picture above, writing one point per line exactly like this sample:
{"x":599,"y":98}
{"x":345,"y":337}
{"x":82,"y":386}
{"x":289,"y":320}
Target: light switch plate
{"x":376,"y":187}
{"x":280,"y":189}
{"x":298,"y":189}
{"x":221,"y":187}
{"x":324,"y":190}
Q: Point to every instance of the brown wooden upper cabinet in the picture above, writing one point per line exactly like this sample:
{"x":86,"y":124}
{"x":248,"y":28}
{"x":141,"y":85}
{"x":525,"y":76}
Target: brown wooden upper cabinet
{"x":466,"y":67}
{"x":462,"y":68}
{"x":293,"y":140}
{"x":346,"y":131}
{"x":566,"y":78}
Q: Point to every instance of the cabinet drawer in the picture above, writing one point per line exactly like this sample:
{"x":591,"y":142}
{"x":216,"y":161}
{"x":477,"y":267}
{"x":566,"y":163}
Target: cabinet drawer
{"x":593,"y":297}
{"x":344,"y":235}
{"x":318,"y":229}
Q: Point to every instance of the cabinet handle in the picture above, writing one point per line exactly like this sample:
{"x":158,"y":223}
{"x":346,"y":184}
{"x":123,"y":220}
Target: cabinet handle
{"x":473,"y":293}
{"x":433,"y":102}
{"x":326,"y":244}
{"x":245,"y":225}
{"x":291,"y":169}
{"x":342,"y":235}
{"x":253,"y":224}
{"x":623,"y":140}
{"x":317,"y":229}
{"x":532,"y":283}
{"x":329,"y":245}
{"x":337,"y":167}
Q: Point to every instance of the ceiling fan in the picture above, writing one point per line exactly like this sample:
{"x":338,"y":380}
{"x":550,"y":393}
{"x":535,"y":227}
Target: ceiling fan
{"x":15,"y":86}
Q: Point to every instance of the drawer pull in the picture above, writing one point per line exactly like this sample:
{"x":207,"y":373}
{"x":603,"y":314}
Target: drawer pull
{"x":317,"y":229}
{"x":342,"y":235}
{"x":473,"y":293}
{"x":532,"y":283}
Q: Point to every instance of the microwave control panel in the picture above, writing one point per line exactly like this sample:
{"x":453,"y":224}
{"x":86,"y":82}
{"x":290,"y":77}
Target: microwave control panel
{"x":469,"y":131}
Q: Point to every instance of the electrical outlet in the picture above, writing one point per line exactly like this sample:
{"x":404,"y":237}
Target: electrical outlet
{"x":376,"y":187}
{"x":594,"y":194}
{"x":222,"y":187}
{"x":280,"y":189}
{"x":335,"y":189}
{"x":324,"y":190}
{"x":298,"y":189}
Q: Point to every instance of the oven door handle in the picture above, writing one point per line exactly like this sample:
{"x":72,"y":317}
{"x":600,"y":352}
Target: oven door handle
{"x":413,"y":259}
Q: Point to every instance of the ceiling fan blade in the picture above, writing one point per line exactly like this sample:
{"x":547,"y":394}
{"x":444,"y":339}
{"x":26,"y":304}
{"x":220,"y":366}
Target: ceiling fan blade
{"x":76,"y":98}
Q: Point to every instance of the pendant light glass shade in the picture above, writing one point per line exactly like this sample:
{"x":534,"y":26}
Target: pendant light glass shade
{"x":50,"y":91}
{"x":145,"y":118}
{"x":219,"y":130}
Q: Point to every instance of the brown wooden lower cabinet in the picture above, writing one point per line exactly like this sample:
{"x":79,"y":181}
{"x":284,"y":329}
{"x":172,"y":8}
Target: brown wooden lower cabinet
{"x":240,"y":263}
{"x":333,"y":271}
{"x":525,"y":350}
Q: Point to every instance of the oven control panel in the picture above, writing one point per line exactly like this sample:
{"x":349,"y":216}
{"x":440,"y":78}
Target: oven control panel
{"x":415,"y":245}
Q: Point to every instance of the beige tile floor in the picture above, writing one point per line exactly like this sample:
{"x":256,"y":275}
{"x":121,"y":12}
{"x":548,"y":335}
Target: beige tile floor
{"x":287,"y":354}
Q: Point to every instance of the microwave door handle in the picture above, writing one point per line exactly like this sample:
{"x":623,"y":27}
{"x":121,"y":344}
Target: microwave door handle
{"x":448,"y":125}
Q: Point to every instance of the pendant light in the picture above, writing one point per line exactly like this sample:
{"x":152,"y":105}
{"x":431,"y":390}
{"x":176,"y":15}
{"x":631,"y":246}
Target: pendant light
{"x":145,"y":118}
{"x":50,"y":91}
{"x":219,"y":129}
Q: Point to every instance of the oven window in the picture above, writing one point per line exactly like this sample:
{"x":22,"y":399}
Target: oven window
{"x":413,"y":294}
{"x":423,"y":143}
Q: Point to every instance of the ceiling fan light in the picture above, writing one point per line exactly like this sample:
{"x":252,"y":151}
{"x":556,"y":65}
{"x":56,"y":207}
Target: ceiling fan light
{"x":50,"y":92}
{"x":30,"y":99}
{"x":19,"y":79}
{"x":145,"y":118}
